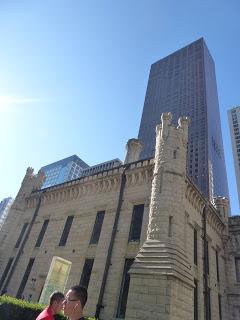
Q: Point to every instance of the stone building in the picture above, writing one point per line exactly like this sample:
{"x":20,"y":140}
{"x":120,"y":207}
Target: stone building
{"x":141,"y":237}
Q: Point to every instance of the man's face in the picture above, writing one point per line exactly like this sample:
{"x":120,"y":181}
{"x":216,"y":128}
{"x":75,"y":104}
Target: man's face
{"x":71,"y":305}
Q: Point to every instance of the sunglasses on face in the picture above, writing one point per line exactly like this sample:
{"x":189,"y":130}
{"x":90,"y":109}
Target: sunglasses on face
{"x":66,"y":300}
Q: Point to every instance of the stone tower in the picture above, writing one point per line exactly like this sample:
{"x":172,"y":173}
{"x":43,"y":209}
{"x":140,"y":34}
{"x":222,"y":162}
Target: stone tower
{"x":29,"y":184}
{"x":161,"y":281}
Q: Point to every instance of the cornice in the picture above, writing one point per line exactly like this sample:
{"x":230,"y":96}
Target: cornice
{"x":198,"y":201}
{"x":138,"y":173}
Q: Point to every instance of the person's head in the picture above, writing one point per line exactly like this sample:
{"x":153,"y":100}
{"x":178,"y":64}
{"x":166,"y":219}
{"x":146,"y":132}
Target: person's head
{"x":75,"y":301}
{"x":56,"y":301}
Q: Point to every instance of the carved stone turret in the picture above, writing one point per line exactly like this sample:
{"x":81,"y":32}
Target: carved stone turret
{"x":222,"y":206}
{"x":162,"y":261}
{"x":29,"y":184}
{"x":133,"y":150}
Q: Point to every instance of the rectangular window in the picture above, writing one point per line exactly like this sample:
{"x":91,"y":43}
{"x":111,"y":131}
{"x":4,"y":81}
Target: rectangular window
{"x":122,"y":303}
{"x":5,"y":272}
{"x":208,"y":304}
{"x":136,"y":223}
{"x":42,"y":232}
{"x":196,"y":300}
{"x":25,"y":278}
{"x":237,"y":265}
{"x":220,"y":306}
{"x":66,"y":231}
{"x":207,"y":257}
{"x":217,"y":265}
{"x":195,"y":247}
{"x":86,"y":274}
{"x":97,"y":227}
{"x":21,"y":235}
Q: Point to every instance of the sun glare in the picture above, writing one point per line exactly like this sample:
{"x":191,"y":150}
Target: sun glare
{"x":8,"y":103}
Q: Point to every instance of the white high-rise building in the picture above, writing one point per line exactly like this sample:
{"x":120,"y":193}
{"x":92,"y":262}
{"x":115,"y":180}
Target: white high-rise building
{"x":234,"y":125}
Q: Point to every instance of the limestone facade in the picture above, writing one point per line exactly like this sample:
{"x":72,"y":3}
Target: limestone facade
{"x":186,"y":243}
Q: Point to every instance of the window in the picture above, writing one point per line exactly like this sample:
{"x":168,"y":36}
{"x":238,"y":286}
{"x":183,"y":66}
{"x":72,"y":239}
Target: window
{"x":42,"y":232}
{"x":136,"y":223}
{"x":97,"y":227}
{"x":217,"y":266}
{"x":25,"y":278}
{"x":195,"y":300}
{"x":66,"y":230}
{"x":86,"y":274}
{"x":5,"y":272}
{"x":220,"y":306}
{"x":207,"y":257}
{"x":237,"y":265}
{"x":209,"y":305}
{"x":122,"y":303}
{"x":195,"y":254}
{"x":21,"y":235}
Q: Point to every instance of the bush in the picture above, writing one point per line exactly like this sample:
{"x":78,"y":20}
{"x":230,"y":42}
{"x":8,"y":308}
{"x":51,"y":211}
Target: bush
{"x":15,"y":309}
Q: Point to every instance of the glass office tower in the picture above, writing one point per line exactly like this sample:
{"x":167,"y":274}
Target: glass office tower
{"x":63,"y":170}
{"x":184,"y":83}
{"x":234,"y":125}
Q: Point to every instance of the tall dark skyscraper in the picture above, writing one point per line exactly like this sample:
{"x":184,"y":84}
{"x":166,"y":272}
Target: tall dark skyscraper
{"x":184,"y":83}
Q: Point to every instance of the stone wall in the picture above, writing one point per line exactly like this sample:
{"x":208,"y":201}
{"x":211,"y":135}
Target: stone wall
{"x":232,"y":253}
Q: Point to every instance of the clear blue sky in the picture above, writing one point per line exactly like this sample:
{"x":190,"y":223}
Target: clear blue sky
{"x":73,"y":75}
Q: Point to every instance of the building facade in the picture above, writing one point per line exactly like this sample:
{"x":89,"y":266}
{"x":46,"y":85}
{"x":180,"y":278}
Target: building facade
{"x":141,"y":237}
{"x":184,"y":83}
{"x":5,"y":206}
{"x":234,"y":126}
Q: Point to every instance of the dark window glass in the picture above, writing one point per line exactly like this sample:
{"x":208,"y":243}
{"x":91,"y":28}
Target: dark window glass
{"x":66,"y":230}
{"x":220,"y":306}
{"x":237,"y":265}
{"x":21,"y":235}
{"x":195,"y":247}
{"x":208,"y":304}
{"x":217,"y":266}
{"x":25,"y":278}
{"x":136,"y":223}
{"x":97,"y":227}
{"x":122,"y":303}
{"x":207,"y":257}
{"x":42,"y":232}
{"x":86,"y":274}
{"x":195,"y":300}
{"x":5,"y":272}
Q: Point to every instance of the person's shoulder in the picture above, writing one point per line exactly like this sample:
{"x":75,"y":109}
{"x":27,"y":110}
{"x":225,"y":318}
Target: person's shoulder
{"x":45,"y":315}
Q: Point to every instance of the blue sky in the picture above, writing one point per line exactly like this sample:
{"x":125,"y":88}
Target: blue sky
{"x":73,"y":75}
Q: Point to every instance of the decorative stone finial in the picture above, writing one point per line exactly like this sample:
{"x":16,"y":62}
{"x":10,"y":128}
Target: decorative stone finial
{"x":134,"y":148}
{"x":222,"y":205}
{"x":166,"y":119}
{"x":183,"y":123}
{"x":41,"y":176}
{"x":29,"y":171}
